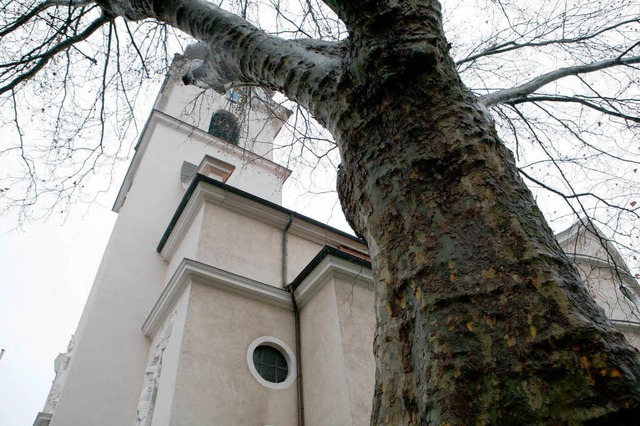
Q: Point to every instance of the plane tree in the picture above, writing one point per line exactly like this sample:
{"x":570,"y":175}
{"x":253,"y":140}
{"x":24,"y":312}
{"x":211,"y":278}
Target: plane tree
{"x":481,"y":318}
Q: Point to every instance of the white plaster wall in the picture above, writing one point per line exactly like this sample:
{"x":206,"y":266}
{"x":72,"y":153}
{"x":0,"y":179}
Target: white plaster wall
{"x":242,"y":245}
{"x":324,"y":367}
{"x":188,"y":246}
{"x":300,"y":252}
{"x":604,"y":289}
{"x":249,"y":247}
{"x":632,"y":333}
{"x":356,"y":313}
{"x":586,"y":244}
{"x":215,"y":385}
{"x":249,"y":174}
{"x":105,"y":373}
{"x":189,"y":103}
{"x":257,"y":181}
{"x":603,"y":283}
{"x":170,"y":361}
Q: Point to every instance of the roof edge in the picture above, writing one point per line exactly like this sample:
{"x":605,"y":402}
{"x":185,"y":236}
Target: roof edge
{"x":198,"y":179}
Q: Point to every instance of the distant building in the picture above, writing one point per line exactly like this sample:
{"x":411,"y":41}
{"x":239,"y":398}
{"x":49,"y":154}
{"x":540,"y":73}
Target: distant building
{"x":214,"y":305}
{"x":606,"y":275}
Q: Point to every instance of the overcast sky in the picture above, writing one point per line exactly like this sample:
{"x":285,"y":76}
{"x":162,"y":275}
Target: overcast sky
{"x":46,"y":272}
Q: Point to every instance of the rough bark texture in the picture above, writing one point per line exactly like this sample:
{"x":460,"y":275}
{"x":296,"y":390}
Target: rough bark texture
{"x":305,"y":70}
{"x":481,"y":317}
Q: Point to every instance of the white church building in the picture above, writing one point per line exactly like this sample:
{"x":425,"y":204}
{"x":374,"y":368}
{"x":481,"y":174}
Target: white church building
{"x":215,"y":305}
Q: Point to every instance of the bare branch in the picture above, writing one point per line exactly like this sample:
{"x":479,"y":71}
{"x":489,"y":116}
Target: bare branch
{"x":51,"y":53}
{"x":137,"y":49}
{"x":576,"y":194}
{"x":523,"y":90}
{"x":510,"y":45}
{"x":18,"y":23}
{"x":578,"y":100}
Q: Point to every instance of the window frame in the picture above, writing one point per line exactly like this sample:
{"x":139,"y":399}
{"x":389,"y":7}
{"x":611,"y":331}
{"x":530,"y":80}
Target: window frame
{"x":285,"y":350}
{"x":267,"y":368}
{"x":231,"y":134}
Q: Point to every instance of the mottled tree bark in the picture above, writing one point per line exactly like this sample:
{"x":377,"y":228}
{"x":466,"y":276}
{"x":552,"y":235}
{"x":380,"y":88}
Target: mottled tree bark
{"x":481,"y":317}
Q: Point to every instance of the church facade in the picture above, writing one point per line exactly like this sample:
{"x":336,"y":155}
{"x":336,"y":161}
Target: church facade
{"x":214,"y":305}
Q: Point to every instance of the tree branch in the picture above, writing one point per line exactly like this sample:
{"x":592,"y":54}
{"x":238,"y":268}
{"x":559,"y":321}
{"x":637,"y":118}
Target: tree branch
{"x":340,"y":8}
{"x":577,"y":195}
{"x":52,"y":52}
{"x":523,"y":90}
{"x":235,"y":50}
{"x":513,"y":45}
{"x":18,"y":23}
{"x":578,"y":100}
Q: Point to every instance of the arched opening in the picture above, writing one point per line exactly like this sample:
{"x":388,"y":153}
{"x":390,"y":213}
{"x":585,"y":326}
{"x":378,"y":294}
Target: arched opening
{"x":224,"y":125}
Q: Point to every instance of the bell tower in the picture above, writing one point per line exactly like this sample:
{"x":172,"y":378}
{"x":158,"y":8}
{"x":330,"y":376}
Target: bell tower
{"x":236,"y":129}
{"x":212,"y":301}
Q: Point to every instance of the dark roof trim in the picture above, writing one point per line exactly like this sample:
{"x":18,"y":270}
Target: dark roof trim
{"x":202,"y":178}
{"x":326,"y":252}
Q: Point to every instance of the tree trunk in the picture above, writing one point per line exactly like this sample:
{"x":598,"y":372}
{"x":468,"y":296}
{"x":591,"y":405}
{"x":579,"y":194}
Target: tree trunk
{"x":481,"y":318}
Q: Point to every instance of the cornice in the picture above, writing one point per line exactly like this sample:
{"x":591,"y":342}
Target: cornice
{"x":204,"y":137}
{"x":580,"y":227}
{"x":328,"y":268}
{"x":190,"y":271}
{"x":43,"y":419}
{"x":207,"y":190}
{"x":597,"y":262}
{"x":624,"y":325}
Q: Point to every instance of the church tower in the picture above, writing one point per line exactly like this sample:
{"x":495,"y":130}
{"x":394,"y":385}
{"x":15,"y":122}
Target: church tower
{"x":212,"y":302}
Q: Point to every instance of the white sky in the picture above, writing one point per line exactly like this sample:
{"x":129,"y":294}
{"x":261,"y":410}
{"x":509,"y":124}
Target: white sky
{"x":46,"y":272}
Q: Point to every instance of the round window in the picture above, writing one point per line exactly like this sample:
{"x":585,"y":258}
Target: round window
{"x":271,"y":362}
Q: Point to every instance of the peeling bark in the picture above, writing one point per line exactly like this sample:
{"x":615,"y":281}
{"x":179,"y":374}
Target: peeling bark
{"x":481,"y":317}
